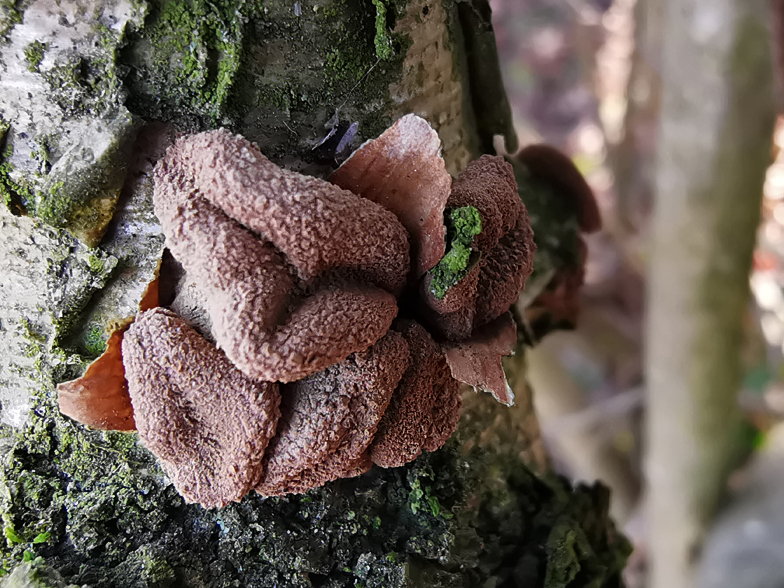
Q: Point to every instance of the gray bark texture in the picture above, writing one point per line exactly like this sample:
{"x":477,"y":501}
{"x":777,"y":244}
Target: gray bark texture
{"x":715,"y":136}
{"x":90,"y":95}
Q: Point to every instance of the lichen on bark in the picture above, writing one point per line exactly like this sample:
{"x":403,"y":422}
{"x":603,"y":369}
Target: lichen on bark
{"x":38,"y":306}
{"x":62,"y":103}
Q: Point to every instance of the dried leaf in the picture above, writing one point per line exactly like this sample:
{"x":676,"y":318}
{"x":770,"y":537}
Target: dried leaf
{"x":99,"y":399}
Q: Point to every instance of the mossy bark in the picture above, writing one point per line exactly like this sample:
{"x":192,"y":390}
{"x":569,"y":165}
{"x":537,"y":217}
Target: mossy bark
{"x":716,"y":128}
{"x":104,"y":89}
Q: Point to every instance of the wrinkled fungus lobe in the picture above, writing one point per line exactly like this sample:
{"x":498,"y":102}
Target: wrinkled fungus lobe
{"x":321,"y":284}
{"x":329,"y":419}
{"x":504,"y":247}
{"x":207,"y":422}
{"x":424,"y":410}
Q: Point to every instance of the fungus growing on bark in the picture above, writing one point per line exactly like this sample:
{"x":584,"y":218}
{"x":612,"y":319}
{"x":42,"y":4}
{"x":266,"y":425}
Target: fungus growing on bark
{"x":550,"y":165}
{"x":425,"y":408}
{"x":207,"y":422}
{"x":329,"y":418}
{"x":301,"y":281}
{"x":571,"y":209}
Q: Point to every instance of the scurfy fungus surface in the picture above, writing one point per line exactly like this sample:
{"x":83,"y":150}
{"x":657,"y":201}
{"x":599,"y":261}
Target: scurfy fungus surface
{"x":344,"y":313}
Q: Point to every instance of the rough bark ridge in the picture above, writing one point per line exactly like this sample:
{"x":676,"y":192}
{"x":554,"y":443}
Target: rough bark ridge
{"x":86,"y":110}
{"x":716,"y":127}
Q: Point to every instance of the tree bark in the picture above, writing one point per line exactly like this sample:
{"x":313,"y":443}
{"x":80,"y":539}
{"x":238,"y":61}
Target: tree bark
{"x":716,"y":127}
{"x":90,"y":98}
{"x":632,"y":159}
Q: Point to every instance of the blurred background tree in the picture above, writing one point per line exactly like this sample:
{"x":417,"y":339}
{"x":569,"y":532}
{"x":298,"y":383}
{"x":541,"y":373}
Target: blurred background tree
{"x":669,"y":108}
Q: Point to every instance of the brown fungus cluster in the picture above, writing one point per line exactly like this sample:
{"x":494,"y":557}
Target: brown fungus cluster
{"x":317,"y":286}
{"x":331,"y":354}
{"x":557,"y":301}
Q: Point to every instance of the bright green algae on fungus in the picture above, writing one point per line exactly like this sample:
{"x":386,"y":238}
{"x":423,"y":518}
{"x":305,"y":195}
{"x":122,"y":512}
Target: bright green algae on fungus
{"x":462,"y":225}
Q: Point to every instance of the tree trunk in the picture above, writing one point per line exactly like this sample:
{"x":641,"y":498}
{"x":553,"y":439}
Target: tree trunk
{"x":90,"y":97}
{"x":716,"y":127}
{"x":633,"y":158}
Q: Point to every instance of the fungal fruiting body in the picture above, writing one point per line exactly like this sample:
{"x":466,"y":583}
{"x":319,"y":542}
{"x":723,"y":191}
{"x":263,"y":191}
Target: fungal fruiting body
{"x":403,"y":171}
{"x":564,"y":207}
{"x":504,"y":252}
{"x":330,"y":418}
{"x":207,"y":422}
{"x":424,"y":411}
{"x":317,"y":373}
{"x":319,"y":286}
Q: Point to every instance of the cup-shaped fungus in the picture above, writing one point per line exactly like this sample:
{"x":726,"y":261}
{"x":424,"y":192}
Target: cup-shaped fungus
{"x":563,"y":206}
{"x":403,"y":171}
{"x":503,"y":252}
{"x":304,"y":282}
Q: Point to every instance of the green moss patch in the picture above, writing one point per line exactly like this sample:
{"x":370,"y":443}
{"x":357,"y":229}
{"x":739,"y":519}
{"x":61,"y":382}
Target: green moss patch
{"x":80,"y":191}
{"x":10,"y":15}
{"x":382,"y":40}
{"x":187,"y":56}
{"x":14,"y":195}
{"x":301,"y":64}
{"x":34,"y":55}
{"x":462,"y":225}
